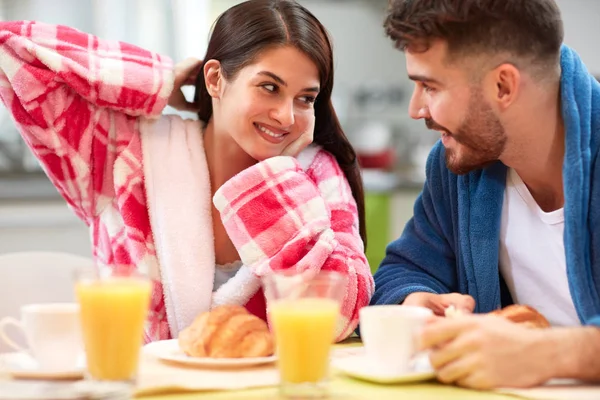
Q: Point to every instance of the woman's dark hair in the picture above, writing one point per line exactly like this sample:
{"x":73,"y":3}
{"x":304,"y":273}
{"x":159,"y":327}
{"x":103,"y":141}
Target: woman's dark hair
{"x":242,"y":32}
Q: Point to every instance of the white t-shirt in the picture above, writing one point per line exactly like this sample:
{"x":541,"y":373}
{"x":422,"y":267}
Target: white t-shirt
{"x":532,"y":254}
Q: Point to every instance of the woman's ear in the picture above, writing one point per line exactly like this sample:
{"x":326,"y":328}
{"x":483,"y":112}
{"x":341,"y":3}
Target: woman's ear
{"x":213,"y":78}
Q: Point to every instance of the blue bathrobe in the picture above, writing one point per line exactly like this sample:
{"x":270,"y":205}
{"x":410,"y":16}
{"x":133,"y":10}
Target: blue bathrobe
{"x":451,"y":244}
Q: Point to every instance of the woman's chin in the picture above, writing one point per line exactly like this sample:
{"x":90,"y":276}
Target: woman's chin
{"x":264,"y":154}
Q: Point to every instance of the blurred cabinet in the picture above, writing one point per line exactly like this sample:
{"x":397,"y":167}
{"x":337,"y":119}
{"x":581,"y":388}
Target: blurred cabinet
{"x":386,"y":213}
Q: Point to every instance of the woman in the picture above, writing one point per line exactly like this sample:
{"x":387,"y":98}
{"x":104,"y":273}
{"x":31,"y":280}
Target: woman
{"x":90,"y":111}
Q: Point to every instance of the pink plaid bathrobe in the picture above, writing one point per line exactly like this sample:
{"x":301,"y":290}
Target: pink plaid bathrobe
{"x":81,"y":105}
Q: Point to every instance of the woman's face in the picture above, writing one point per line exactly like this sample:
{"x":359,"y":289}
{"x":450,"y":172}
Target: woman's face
{"x":268,"y":104}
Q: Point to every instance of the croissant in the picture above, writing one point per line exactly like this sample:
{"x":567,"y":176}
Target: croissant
{"x":517,"y":313}
{"x":227,"y":332}
{"x":523,"y":314}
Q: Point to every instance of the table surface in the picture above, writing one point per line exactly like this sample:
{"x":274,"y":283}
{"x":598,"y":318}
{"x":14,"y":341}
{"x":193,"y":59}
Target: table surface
{"x":344,"y":387}
{"x":350,"y":389}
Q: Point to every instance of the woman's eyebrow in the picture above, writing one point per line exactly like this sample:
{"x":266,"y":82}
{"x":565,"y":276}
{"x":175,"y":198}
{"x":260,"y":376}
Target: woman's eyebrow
{"x":283,"y":83}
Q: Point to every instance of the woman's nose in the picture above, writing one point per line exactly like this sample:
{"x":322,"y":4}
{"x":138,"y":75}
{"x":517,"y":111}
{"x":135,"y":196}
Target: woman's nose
{"x":284,"y":113}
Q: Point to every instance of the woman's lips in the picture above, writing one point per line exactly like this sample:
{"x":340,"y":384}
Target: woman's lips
{"x":270,"y":133}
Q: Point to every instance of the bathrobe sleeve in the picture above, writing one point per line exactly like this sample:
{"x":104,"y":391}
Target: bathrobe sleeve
{"x":280,"y":216}
{"x":75,"y":98}
{"x":423,"y":258}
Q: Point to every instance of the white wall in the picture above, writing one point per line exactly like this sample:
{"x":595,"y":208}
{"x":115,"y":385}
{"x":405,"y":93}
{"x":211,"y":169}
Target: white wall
{"x":582,"y":30}
{"x":77,"y":14}
{"x":363,"y":54}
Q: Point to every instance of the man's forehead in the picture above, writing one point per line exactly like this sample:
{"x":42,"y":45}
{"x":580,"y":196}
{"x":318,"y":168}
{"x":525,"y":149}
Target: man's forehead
{"x":431,"y":63}
{"x":434,"y":54}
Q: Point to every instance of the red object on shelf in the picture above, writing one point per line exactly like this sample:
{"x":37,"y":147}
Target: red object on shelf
{"x":381,"y":160}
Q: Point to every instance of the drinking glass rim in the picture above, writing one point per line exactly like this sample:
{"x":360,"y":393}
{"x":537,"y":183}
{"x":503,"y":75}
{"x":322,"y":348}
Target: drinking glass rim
{"x":321,"y":275}
{"x":105,"y":273}
{"x":395,"y":310}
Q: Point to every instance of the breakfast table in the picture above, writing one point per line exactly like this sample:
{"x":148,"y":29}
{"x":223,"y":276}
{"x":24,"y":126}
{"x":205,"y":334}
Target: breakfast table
{"x":342,"y":387}
{"x":159,"y":380}
{"x":345,"y":387}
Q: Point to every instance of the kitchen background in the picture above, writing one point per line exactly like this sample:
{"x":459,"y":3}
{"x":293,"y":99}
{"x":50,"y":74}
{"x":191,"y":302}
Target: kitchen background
{"x":371,"y":97}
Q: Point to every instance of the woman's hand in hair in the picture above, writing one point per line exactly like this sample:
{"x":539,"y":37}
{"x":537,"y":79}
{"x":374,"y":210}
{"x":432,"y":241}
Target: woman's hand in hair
{"x":294,"y":148}
{"x":186,"y":72}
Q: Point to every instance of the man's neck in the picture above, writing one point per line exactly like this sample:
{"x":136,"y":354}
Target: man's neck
{"x":538,"y":154}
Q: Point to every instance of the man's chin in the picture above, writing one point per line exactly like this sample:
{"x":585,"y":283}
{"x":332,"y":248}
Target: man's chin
{"x":454,"y":165}
{"x":462,"y":168}
{"x":458,"y":169}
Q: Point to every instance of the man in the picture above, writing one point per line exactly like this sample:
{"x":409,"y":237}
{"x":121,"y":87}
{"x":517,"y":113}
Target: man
{"x":510,"y":210}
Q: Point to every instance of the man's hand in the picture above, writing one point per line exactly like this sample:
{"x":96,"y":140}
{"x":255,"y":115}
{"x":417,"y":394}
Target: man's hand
{"x":439,"y":302}
{"x":294,"y":148}
{"x":484,"y":351}
{"x":185,"y":74}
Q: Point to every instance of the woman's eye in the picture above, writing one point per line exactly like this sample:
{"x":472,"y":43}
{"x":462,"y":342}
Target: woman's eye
{"x":308,"y":99}
{"x":270,"y":87}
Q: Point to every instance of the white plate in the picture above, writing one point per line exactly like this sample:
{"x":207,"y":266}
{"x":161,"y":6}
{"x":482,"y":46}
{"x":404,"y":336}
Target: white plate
{"x":168,"y":350}
{"x":23,"y":366}
{"x":357,"y":366}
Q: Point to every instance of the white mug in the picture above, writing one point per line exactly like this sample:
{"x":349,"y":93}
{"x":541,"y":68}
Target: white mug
{"x":53,"y":333}
{"x":389,"y":335}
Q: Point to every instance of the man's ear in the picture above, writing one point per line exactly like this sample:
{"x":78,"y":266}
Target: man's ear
{"x":213,"y":78}
{"x":506,"y":80}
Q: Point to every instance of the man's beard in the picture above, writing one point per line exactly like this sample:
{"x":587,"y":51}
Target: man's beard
{"x":481,"y":137}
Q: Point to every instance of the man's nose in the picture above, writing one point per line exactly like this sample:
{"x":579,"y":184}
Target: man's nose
{"x":418,"y":108}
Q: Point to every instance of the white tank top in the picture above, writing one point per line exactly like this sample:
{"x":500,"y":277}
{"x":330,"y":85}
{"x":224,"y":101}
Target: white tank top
{"x":225,"y":272}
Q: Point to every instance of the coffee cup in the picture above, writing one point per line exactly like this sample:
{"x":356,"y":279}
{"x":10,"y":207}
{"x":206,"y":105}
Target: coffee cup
{"x":390,"y":336}
{"x":52,"y":332}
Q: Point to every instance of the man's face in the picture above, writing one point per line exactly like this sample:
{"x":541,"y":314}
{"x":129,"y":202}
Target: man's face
{"x":451,"y":102}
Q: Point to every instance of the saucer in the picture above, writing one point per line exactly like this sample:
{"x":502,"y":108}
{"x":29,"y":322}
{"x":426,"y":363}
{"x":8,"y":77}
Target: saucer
{"x":168,"y":350}
{"x":22,"y":366}
{"x":357,"y":366}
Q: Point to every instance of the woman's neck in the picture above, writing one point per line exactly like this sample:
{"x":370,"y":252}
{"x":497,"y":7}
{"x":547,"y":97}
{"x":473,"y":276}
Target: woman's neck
{"x":225,"y":158}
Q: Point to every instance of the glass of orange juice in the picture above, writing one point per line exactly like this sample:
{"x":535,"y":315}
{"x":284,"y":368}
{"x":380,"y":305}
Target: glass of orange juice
{"x":303,"y":312}
{"x":113,"y":309}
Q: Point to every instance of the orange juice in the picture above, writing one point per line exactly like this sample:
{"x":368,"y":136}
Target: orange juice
{"x":113,"y":312}
{"x":304,"y":332}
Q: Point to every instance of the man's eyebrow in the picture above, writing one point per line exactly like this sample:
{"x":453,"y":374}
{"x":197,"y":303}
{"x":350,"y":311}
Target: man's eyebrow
{"x":423,"y":78}
{"x":284,"y":83}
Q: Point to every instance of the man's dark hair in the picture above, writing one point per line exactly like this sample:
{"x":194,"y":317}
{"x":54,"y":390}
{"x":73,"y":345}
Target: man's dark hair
{"x":529,"y":30}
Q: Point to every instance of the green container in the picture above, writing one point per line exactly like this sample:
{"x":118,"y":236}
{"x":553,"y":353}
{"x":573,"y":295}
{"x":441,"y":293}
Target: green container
{"x":377,"y":215}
